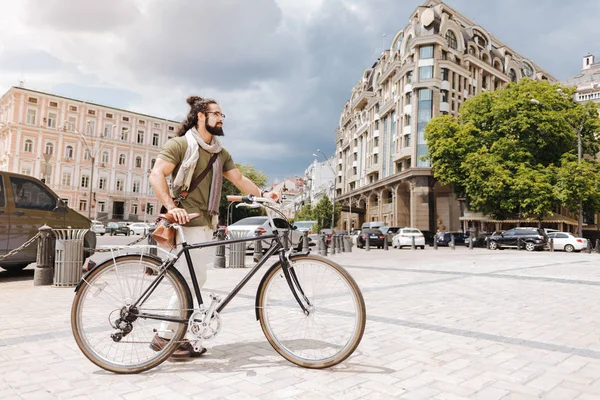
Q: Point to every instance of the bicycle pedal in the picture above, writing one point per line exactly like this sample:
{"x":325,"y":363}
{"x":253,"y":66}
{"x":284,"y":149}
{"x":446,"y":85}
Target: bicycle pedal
{"x":214,"y":297}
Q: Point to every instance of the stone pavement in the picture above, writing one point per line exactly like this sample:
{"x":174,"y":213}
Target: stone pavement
{"x":441,"y":324}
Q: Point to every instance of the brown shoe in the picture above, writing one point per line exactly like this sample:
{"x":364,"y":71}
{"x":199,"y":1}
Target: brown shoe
{"x":158,"y":343}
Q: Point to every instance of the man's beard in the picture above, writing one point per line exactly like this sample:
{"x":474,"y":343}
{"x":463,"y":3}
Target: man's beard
{"x":214,"y":130}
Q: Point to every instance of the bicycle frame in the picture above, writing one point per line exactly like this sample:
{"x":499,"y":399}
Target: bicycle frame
{"x":276,"y":246}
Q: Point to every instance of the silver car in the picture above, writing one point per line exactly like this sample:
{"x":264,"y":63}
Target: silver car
{"x":247,"y":226}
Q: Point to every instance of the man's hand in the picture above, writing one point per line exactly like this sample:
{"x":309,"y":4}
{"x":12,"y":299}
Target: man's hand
{"x":272,"y":195}
{"x":181,"y":216}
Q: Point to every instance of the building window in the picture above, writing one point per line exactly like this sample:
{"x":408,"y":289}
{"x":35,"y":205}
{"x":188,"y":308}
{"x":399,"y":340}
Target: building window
{"x":155,"y":137}
{"x":445,"y":74}
{"x":102,"y":183}
{"x":134,"y":209}
{"x":426,"y":72}
{"x":69,"y":152}
{"x":171,"y":128}
{"x":426,"y":52}
{"x":444,"y":94}
{"x":126,"y":119}
{"x":425,"y":110}
{"x":451,"y":39}
{"x":66,"y":179}
{"x":109,"y":116}
{"x":406,"y":140}
{"x":91,"y":127}
{"x":136,"y":187}
{"x":408,"y":163}
{"x":32,"y":100}
{"x":86,"y":155}
{"x":120,"y":185}
{"x":121,"y":159}
{"x":512,"y":75}
{"x":92,"y":112}
{"x":85,"y":181}
{"x":49,"y":148}
{"x":73,"y":108}
{"x":124,"y":133}
{"x":105,"y":157}
{"x":53,"y":104}
{"x":150,"y":209}
{"x":71,"y":124}
{"x":52,"y":117}
{"x":107,"y":130}
{"x":101,"y":206}
{"x":156,"y":125}
{"x":26,"y":170}
{"x":407,"y":120}
{"x":409,"y":77}
{"x":152,"y":162}
{"x":28,"y":146}
{"x":31,"y":114}
{"x":82,"y":205}
{"x":138,"y":162}
{"x":408,"y":98}
{"x":140,"y":137}
{"x":444,"y":55}
{"x":141,"y":122}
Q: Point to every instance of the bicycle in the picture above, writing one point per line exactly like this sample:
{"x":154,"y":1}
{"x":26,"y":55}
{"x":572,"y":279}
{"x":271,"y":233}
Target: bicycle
{"x":310,"y":309}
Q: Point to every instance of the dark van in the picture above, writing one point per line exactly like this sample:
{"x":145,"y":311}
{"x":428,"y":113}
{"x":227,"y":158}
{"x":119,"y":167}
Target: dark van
{"x":25,"y":205}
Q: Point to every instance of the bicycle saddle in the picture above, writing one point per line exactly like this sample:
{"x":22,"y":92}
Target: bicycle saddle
{"x":168,"y":216}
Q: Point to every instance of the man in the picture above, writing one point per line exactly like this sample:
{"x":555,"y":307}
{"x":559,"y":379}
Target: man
{"x":185,"y":158}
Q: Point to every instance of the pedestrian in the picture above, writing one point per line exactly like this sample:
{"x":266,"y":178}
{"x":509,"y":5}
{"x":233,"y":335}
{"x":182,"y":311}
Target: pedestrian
{"x":184,"y":158}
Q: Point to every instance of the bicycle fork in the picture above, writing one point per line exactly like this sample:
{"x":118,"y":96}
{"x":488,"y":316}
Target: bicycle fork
{"x":294,"y":283}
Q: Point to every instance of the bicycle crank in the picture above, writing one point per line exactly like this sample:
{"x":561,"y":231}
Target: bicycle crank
{"x":205,"y":323}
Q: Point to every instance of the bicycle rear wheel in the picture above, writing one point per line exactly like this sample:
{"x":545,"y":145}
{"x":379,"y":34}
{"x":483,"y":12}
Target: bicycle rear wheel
{"x":101,"y":313}
{"x":335,"y":323}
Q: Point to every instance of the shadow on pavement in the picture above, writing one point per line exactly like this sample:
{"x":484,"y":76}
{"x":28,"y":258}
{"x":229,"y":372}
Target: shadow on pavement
{"x":16,"y":276}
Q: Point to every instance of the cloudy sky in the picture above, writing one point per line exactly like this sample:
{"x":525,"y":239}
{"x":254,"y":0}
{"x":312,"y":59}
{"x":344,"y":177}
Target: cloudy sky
{"x":281,"y":69}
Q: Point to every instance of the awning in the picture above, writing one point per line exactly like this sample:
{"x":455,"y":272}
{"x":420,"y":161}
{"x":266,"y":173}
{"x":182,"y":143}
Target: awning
{"x":554,"y":219}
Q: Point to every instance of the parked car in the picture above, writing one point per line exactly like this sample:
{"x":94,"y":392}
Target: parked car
{"x":567,"y":241}
{"x":376,"y":238}
{"x":98,"y":228}
{"x":305,"y":226}
{"x":404,"y":238}
{"x":443,"y":238}
{"x":118,"y":228}
{"x":530,"y":238}
{"x":372,"y":225}
{"x":246,"y":226}
{"x":390,"y":231}
{"x":26,"y":204}
{"x":429,"y":237}
{"x":138,"y":228}
{"x":355,"y":236}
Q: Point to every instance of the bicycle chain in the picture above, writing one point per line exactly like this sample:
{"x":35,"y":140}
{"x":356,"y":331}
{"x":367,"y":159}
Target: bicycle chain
{"x":15,"y":251}
{"x":130,"y":244}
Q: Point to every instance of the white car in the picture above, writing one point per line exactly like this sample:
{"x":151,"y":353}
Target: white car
{"x":138,"y":228}
{"x":404,"y":238}
{"x":567,"y":241}
{"x":98,"y":228}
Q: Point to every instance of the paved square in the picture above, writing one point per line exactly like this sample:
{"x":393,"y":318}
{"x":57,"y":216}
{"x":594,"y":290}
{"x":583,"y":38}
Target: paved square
{"x":462,"y":324}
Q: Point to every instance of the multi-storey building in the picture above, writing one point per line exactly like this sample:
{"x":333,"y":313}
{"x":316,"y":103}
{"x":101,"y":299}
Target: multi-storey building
{"x":587,"y":81}
{"x":434,"y":64}
{"x":55,"y":138}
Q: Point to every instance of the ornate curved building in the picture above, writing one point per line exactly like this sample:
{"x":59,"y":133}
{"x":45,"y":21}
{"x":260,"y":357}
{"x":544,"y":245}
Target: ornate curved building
{"x":434,"y":64}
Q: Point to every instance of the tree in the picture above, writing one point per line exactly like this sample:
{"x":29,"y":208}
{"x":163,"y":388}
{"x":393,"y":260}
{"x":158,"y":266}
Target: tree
{"x":322,"y":213}
{"x":258,"y":177}
{"x":506,"y":153}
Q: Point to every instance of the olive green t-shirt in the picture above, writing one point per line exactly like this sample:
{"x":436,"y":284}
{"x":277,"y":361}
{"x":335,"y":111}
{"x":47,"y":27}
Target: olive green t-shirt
{"x":197,"y":200}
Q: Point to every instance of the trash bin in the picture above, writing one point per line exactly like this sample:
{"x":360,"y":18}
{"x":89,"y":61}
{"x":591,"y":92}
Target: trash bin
{"x":68,"y":257}
{"x":237,"y":251}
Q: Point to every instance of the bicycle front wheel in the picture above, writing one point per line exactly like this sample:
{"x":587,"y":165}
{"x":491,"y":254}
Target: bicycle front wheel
{"x":334,"y":325}
{"x":110,"y":332}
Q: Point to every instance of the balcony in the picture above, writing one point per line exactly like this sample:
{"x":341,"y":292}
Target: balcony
{"x":407,"y":130}
{"x":376,"y":150}
{"x":407,"y":109}
{"x":376,"y":133}
{"x":361,"y":99}
{"x":407,"y":88}
{"x":445,"y":85}
{"x":444,"y":106}
{"x":387,"y":208}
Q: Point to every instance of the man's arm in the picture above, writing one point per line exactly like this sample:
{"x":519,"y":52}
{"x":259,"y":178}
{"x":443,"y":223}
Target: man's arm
{"x":246,"y":185}
{"x":158,"y":180}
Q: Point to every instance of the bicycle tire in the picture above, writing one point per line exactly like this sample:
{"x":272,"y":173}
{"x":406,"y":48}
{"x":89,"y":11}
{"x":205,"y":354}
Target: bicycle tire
{"x":104,"y":292}
{"x":278,"y":311}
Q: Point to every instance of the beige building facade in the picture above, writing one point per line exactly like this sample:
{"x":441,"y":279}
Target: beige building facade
{"x":53,"y":138}
{"x":434,"y":64}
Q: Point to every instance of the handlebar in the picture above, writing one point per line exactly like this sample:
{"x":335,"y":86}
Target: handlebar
{"x":249,"y":199}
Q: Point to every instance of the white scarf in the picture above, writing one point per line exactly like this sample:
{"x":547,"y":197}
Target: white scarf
{"x":184,"y":176}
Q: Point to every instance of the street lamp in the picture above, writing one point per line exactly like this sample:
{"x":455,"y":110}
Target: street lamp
{"x":333,"y":171}
{"x":579,"y":151}
{"x":93,"y":146}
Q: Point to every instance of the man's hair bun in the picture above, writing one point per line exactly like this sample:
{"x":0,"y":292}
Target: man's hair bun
{"x":193,"y":99}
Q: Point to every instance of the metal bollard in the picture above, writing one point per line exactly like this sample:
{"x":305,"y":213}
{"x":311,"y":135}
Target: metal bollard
{"x":257,"y":246}
{"x":286,"y":239}
{"x":435,"y":244}
{"x":305,"y":247}
{"x":367,"y":244}
{"x":598,"y":246}
{"x":551,"y":245}
{"x":412,"y":243}
{"x":333,"y":244}
{"x":487,"y":242}
{"x":385,"y":242}
{"x":220,"y":250}
{"x":348,"y":244}
{"x":589,"y":246}
{"x":44,"y":270}
{"x":518,"y":243}
{"x":470,"y":242}
{"x":323,"y":241}
{"x":341,"y":244}
{"x":452,"y":244}
{"x":320,"y":244}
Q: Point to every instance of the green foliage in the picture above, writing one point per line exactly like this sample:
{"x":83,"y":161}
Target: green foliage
{"x":258,"y":177}
{"x":321,"y":213}
{"x":510,"y":156}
